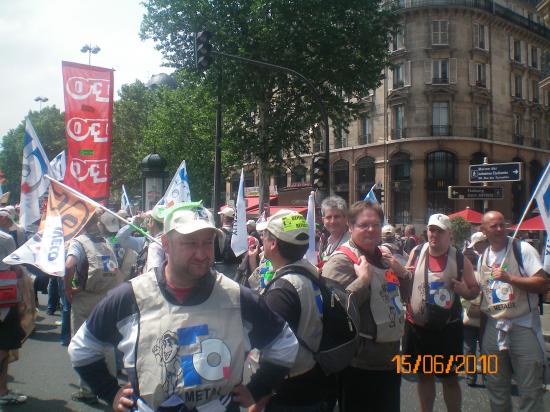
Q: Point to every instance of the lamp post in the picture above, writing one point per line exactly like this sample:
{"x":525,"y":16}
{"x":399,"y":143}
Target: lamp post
{"x":88,"y":48}
{"x":40,"y":100}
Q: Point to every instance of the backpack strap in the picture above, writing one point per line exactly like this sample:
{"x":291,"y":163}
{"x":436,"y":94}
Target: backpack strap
{"x":516,"y":248}
{"x":459,"y":264}
{"x":349,"y":253}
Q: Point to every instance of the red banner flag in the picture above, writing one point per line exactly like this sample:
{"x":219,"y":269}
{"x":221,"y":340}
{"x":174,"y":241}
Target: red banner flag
{"x":88,"y":94}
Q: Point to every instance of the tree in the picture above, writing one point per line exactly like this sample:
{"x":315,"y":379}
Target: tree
{"x":461,"y":230}
{"x":342,"y":46}
{"x":50,"y":128}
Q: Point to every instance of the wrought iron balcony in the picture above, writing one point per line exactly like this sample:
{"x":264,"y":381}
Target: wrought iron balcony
{"x":398,"y":134}
{"x":365,"y":138}
{"x":440,"y":80}
{"x":535,"y":142}
{"x":441,"y":130}
{"x":481,"y":83}
{"x":480,"y":132}
{"x":517,"y":139}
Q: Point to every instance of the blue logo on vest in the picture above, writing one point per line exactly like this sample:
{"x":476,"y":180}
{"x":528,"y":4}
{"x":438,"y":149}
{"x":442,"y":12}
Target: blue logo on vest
{"x":439,"y":295}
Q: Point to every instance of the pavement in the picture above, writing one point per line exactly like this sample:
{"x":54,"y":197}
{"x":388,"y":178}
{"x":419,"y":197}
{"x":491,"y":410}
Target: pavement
{"x":44,"y":373}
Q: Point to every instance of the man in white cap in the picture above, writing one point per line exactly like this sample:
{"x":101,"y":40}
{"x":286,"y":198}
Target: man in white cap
{"x":440,"y":276}
{"x":184,"y":330}
{"x":292,"y":295}
{"x":224,"y":252}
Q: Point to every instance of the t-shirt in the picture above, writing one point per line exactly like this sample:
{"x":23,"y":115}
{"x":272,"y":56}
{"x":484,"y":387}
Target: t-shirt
{"x":531,"y":265}
{"x":7,"y":247}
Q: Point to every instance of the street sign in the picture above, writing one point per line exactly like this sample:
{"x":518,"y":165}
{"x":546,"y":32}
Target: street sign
{"x":496,"y":172}
{"x":475,"y":192}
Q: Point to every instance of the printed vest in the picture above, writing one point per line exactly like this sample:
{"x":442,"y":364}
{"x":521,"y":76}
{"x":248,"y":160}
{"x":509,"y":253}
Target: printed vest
{"x":194,"y":352}
{"x":439,"y":286}
{"x":386,"y":321}
{"x":103,"y":273}
{"x":500,"y":299}
{"x":310,"y":325}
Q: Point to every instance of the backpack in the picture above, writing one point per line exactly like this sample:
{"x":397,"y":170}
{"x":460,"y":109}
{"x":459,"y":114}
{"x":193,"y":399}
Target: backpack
{"x":141,"y":261}
{"x":10,"y":295}
{"x":340,"y":337}
{"x":227,"y":254}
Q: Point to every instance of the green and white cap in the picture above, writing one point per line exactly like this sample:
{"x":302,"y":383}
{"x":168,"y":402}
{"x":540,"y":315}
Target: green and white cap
{"x":288,"y":226}
{"x":189,"y":217}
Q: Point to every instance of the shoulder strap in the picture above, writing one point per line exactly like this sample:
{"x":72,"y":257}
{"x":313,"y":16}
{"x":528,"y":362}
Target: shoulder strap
{"x":297,"y":270}
{"x":459,"y":264}
{"x":516,"y":248}
{"x":415,"y":254}
{"x":349,"y":253}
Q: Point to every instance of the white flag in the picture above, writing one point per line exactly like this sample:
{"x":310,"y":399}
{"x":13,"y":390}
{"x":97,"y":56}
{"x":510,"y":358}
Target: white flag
{"x":58,"y":166}
{"x":311,"y":254}
{"x":239,"y":240}
{"x":178,"y":191}
{"x":125,"y":201}
{"x":51,"y":256}
{"x":33,"y":184}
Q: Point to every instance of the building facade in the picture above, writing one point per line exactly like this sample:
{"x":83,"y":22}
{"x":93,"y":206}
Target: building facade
{"x":467,"y":83}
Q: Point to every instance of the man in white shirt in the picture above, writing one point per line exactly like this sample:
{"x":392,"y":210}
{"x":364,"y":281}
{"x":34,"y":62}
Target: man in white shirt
{"x":511,"y":278}
{"x":334,"y":211}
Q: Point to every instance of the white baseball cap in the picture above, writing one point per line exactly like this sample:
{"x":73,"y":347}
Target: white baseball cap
{"x":189,"y":217}
{"x":440,"y":220}
{"x":288,"y":226}
{"x":476,"y":238}
{"x":110,"y":222}
{"x":227,"y":212}
{"x":388,"y":230}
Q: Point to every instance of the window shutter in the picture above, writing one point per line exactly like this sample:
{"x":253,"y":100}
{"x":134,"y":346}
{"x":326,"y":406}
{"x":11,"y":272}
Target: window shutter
{"x":407,"y":74}
{"x":452,"y":70}
{"x":488,"y":75}
{"x":486,"y":37}
{"x":529,"y":55}
{"x":390,"y":80}
{"x":472,"y":69}
{"x":511,"y":40}
{"x":435,"y":32}
{"x":539,"y":58}
{"x":523,"y":53}
{"x":444,"y":30}
{"x":476,"y":35}
{"x":404,"y":36}
{"x":428,"y":71}
{"x":512,"y":85}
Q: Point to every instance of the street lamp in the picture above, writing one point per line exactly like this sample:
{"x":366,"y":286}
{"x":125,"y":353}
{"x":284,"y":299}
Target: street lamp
{"x":88,"y":48}
{"x":40,"y":99}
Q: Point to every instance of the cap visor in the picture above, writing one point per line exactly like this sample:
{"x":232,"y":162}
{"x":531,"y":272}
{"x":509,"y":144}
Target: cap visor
{"x":195,"y":226}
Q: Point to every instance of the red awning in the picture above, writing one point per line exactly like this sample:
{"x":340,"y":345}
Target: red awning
{"x":535,"y":223}
{"x":253,"y":201}
{"x":469,"y":215}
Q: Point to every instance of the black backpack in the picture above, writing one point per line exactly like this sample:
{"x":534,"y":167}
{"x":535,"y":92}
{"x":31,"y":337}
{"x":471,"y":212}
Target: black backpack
{"x":340,"y":338}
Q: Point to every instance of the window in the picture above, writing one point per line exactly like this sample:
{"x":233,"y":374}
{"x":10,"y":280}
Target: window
{"x":481,"y":121}
{"x":481,"y":78}
{"x":340,"y":173}
{"x":534,"y":57}
{"x":517,"y":51}
{"x":398,"y":131}
{"x":398,"y":77}
{"x":440,"y":174}
{"x":248,"y":179}
{"x":518,"y":80}
{"x":481,"y":36}
{"x":440,"y":119}
{"x":440,"y":32}
{"x":517,"y":137}
{"x":400,"y":169}
{"x":341,"y":139}
{"x":365,"y":137}
{"x":298,"y":175}
{"x":398,"y":39}
{"x":535,"y":132}
{"x":281,"y":179}
{"x":365,"y":170}
{"x":440,"y":71}
{"x":535,"y":91}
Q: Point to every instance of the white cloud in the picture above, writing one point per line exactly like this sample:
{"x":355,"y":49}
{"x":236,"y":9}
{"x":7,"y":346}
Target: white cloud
{"x":37,"y":35}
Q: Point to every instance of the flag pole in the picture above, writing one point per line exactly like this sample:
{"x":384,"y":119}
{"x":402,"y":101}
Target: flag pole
{"x":99,"y":205}
{"x":527,"y":208}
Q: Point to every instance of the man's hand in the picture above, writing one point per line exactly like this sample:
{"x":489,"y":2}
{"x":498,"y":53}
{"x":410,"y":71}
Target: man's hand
{"x":242,"y":395}
{"x":123,"y":400}
{"x":460,"y":287}
{"x":362,"y":270}
{"x":260,"y":405}
{"x":501,"y":275}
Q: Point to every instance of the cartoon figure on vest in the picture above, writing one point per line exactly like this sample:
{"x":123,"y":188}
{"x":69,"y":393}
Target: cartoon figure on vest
{"x":184,"y":330}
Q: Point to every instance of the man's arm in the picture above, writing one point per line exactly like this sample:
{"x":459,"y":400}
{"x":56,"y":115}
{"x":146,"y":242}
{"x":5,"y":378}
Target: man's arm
{"x":155,"y":257}
{"x":127,"y":241}
{"x":467,"y":287}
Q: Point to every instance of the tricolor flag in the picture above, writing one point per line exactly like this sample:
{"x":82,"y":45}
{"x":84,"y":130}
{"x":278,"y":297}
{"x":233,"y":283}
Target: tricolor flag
{"x":33,"y":184}
{"x":311,"y":254}
{"x":542,"y":196}
{"x":58,"y":166}
{"x":239,"y":240}
{"x":178,"y":191}
{"x":125,"y":201}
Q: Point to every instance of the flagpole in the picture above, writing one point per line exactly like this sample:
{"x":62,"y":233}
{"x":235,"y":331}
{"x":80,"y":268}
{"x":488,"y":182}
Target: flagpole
{"x":527,"y":209}
{"x":99,"y":205}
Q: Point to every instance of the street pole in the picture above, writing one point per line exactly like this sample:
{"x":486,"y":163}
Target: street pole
{"x":218,"y":149}
{"x":308,"y":82}
{"x":485,"y":184}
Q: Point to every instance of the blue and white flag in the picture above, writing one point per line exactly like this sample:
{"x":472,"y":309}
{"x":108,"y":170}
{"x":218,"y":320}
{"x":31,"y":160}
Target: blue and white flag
{"x":371,"y":197}
{"x":311,"y":254}
{"x":542,"y":196}
{"x":239,"y":240}
{"x":58,"y":166}
{"x":125,"y":201}
{"x":33,"y":184}
{"x":178,"y":191}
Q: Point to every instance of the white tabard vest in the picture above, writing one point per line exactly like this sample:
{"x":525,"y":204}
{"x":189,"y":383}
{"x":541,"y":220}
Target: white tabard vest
{"x":103,"y":273}
{"x":194,"y":352}
{"x":384,"y":303}
{"x":439,"y":286}
{"x":310,"y":325}
{"x":501,"y":300}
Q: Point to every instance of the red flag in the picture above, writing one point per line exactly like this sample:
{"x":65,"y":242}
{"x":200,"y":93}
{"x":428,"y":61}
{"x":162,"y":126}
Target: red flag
{"x":88,"y":94}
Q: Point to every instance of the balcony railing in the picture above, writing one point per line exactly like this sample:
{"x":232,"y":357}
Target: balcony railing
{"x":517,"y":139}
{"x":365,"y":138}
{"x":487,"y":5}
{"x":398,"y":84}
{"x":480,"y":132}
{"x":440,"y":80}
{"x":481,"y":83}
{"x":398,"y":134}
{"x":340,"y":143}
{"x":535,"y":142}
{"x":441,"y":130}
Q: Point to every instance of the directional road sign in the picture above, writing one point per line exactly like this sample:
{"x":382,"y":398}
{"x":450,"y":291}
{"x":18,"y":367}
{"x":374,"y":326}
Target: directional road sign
{"x":475,"y":192}
{"x":496,"y":172}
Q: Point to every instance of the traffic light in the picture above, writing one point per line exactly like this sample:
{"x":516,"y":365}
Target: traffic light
{"x":320,"y":172}
{"x":203,"y":58}
{"x":379,"y":193}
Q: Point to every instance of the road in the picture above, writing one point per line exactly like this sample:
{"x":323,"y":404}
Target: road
{"x":45,"y":375}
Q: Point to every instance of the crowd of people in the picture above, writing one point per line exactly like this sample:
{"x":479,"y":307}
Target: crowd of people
{"x":161,"y":309}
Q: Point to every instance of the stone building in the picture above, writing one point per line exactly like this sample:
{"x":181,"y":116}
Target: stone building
{"x":465,"y":84}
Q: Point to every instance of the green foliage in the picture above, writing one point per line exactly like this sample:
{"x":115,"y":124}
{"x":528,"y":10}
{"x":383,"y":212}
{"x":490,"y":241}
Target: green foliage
{"x":461,"y":230}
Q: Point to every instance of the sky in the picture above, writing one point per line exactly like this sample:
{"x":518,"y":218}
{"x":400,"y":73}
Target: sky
{"x":37,"y":35}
